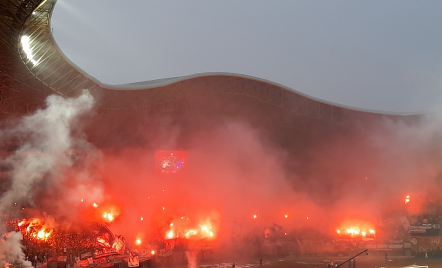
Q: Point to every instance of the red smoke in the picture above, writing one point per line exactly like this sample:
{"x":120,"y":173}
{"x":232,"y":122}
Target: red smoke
{"x":344,"y":179}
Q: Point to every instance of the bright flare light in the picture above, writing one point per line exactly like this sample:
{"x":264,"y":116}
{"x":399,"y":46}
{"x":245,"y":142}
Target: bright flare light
{"x":200,"y":231}
{"x":254,"y":216}
{"x":286,"y":216}
{"x":108,"y":216}
{"x":152,"y":252}
{"x":95,"y":205}
{"x":34,"y":229}
{"x":25,"y":43}
{"x":41,"y":234}
{"x":356,"y":231}
{"x":138,"y":242}
{"x":170,"y":234}
{"x":351,"y":231}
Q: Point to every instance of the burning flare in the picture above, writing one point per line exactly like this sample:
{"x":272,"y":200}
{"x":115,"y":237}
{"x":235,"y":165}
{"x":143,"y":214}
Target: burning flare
{"x":34,"y":229}
{"x":199,"y":231}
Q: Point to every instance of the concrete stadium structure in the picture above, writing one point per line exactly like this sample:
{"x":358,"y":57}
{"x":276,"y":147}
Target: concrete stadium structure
{"x":33,"y":67}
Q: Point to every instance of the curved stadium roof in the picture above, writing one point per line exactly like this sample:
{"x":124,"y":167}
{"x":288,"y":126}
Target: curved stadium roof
{"x":32,"y":67}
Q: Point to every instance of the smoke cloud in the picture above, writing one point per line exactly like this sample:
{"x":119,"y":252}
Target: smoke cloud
{"x":240,"y":178}
{"x":40,"y":170}
{"x":352,"y":177}
{"x":11,"y":250}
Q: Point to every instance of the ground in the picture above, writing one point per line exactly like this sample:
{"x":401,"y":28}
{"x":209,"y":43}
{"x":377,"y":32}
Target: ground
{"x":361,"y":262}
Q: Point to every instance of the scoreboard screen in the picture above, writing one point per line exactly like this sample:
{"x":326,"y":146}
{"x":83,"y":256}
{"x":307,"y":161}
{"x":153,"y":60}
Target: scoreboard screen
{"x":170,"y":161}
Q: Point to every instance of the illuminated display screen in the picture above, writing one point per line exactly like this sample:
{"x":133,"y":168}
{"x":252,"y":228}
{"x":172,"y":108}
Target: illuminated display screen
{"x":170,"y":161}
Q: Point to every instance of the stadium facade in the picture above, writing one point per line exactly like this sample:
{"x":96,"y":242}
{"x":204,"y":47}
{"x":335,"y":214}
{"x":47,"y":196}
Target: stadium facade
{"x":33,"y":67}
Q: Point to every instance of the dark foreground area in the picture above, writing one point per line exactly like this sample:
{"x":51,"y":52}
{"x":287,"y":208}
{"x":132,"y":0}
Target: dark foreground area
{"x":361,"y":262}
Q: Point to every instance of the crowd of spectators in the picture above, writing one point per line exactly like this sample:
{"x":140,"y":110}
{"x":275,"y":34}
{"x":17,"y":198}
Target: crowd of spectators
{"x":58,"y":246}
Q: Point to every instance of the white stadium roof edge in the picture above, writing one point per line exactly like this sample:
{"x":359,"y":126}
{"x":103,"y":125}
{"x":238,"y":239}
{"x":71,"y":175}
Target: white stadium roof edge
{"x":32,"y":66}
{"x":167,"y":81}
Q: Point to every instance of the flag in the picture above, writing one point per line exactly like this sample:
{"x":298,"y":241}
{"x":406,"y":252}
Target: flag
{"x":133,"y":261}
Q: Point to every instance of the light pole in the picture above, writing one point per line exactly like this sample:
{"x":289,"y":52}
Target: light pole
{"x":365,"y":251}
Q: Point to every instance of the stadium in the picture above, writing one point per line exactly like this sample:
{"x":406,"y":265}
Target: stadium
{"x":32,"y":67}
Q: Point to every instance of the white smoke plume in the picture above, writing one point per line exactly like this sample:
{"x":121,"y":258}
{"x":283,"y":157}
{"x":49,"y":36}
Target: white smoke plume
{"x":47,"y":139}
{"x":192,"y":259}
{"x":11,"y":250}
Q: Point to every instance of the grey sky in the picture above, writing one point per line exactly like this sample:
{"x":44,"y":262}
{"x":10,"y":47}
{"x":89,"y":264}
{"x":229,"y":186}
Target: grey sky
{"x":382,"y":55}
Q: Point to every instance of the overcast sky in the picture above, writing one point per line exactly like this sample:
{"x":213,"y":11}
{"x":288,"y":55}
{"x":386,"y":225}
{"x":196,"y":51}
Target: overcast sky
{"x":381,"y":55}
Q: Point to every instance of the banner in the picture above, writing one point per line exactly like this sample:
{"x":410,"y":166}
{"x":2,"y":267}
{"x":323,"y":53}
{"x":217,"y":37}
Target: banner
{"x":105,"y":238}
{"x":102,"y":262}
{"x":425,"y":243}
{"x":429,"y":226}
{"x":86,"y":255}
{"x":83,"y":263}
{"x":133,"y":261}
{"x":96,"y":262}
{"x":382,"y":246}
{"x":119,"y":244}
{"x":417,"y":229}
{"x":420,"y":229}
